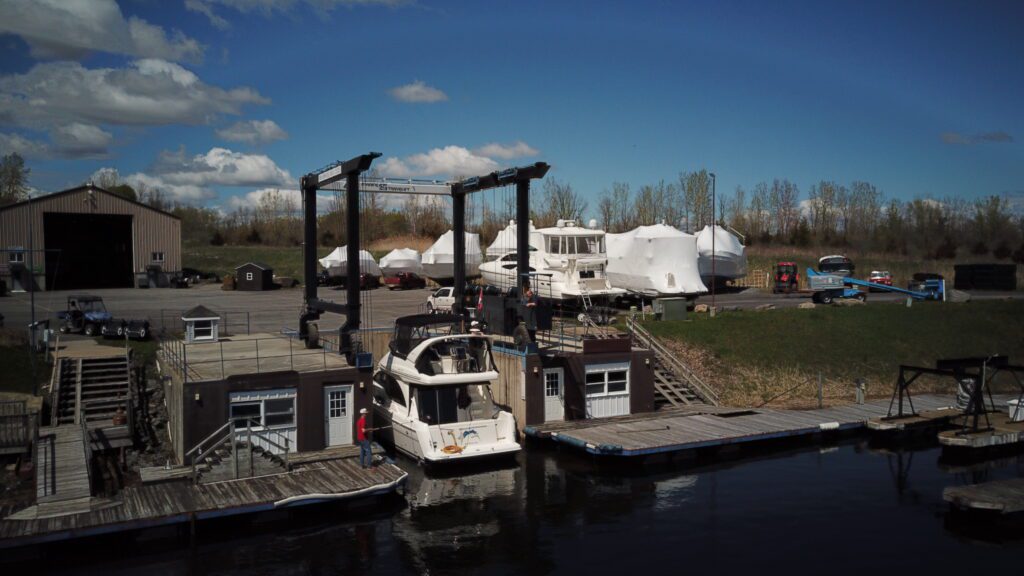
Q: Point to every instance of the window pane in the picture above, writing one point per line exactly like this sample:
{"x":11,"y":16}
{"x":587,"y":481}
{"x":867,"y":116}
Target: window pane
{"x":595,"y":389}
{"x":619,"y":375}
{"x":280,"y":406}
{"x":280,"y":419}
{"x":427,"y":401}
{"x":616,"y":386}
{"x":594,"y":377}
{"x":246,"y":413}
{"x":446,"y":408}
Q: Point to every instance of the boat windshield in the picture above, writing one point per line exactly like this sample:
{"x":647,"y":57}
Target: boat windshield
{"x":588,"y":244}
{"x":453,"y":404}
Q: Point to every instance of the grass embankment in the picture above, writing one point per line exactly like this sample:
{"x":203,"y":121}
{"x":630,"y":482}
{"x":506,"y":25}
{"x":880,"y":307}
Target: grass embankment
{"x":764,"y":258}
{"x":285,"y":260}
{"x":752,"y":357}
{"x":16,"y":364}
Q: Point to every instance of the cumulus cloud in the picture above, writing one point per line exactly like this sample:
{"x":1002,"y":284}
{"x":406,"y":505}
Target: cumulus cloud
{"x":149,"y":92}
{"x":269,"y":7}
{"x":73,"y":141}
{"x":253,"y":132}
{"x":518,"y":149}
{"x":417,"y":92}
{"x":447,"y":161}
{"x":64,"y":29}
{"x":252,"y":199}
{"x":998,"y":137}
{"x":191,"y":178}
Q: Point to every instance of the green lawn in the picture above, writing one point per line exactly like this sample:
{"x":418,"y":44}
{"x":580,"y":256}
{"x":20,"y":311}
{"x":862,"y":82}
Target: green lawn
{"x":17,"y":369}
{"x":221,"y":260}
{"x":783,"y":346}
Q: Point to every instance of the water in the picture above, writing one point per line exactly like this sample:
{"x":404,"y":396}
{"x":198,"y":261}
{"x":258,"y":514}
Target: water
{"x":846,"y":509}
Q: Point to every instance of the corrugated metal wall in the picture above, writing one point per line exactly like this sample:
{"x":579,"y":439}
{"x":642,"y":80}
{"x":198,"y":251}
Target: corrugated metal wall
{"x":152,"y":231}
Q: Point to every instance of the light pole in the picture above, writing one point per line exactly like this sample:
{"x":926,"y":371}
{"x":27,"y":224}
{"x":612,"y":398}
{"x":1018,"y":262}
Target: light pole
{"x":713,"y":277}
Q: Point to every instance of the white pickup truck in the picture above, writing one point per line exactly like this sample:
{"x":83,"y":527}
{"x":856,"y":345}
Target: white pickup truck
{"x":441,"y":301}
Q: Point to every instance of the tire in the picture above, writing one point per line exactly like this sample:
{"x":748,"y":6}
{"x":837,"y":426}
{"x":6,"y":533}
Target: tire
{"x":143,"y":333}
{"x":120,"y":331}
{"x":64,"y":329}
{"x":826,"y":298}
{"x":90,"y":330}
{"x":862,"y":297}
{"x":430,"y":308}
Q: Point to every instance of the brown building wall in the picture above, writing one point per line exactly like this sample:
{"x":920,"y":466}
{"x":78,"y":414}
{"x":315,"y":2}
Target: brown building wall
{"x":152,"y":230}
{"x":641,"y":380}
{"x":201,"y":418}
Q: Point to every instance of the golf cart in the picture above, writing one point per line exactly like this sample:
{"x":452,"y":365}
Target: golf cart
{"x":86,"y":314}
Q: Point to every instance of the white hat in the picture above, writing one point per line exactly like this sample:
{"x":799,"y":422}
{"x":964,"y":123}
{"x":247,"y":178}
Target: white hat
{"x":362,"y":410}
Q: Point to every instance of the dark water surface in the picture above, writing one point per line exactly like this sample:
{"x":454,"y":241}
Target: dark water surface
{"x":840,"y":510}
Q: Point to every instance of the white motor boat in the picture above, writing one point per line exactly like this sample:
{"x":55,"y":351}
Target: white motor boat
{"x":654,"y":261}
{"x":432,"y":396}
{"x":439,"y":260}
{"x":336,"y":263}
{"x":566,"y":262}
{"x":401,"y":260}
{"x":724,"y":259}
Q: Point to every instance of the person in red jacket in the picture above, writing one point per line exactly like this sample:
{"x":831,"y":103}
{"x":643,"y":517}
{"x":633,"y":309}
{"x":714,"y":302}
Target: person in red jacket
{"x":365,"y":453}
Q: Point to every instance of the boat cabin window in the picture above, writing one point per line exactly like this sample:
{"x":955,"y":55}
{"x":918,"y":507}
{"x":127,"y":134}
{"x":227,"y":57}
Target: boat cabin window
{"x":389,"y":390}
{"x":452,"y":404}
{"x":456,"y":356}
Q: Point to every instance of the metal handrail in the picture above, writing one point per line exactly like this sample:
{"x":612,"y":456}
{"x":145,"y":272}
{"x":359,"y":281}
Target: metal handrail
{"x":665,"y":355}
{"x":217,"y":438}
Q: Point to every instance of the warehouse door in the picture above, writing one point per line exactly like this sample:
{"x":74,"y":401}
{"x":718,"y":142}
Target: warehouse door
{"x":87,"y":251}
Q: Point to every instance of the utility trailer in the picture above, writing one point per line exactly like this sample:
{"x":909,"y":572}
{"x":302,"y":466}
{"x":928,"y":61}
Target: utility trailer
{"x":828,"y":288}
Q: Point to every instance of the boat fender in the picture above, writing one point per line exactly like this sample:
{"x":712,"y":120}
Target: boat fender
{"x":828,"y":426}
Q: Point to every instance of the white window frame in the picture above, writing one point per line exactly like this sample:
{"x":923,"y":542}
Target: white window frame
{"x":342,"y":404}
{"x":16,"y":256}
{"x":260,"y":397}
{"x":208,"y":328}
{"x":157,"y":257}
{"x":248,"y":275}
{"x":560,"y":374}
{"x":606,"y":369}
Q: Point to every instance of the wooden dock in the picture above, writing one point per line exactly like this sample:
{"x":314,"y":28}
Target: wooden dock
{"x":62,"y":470}
{"x":922,"y":420}
{"x":1003,"y":496}
{"x":1003,"y":432}
{"x":693,"y":427}
{"x":312,"y":481}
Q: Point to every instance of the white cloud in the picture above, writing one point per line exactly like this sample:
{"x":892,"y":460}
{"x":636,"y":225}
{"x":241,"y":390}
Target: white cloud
{"x":447,"y":161}
{"x":268,"y":7}
{"x":73,"y":140}
{"x":253,"y":132}
{"x":518,"y":149}
{"x":252,"y":199}
{"x":65,"y":29}
{"x":418,"y":91}
{"x":191,"y":179}
{"x":150,"y":92}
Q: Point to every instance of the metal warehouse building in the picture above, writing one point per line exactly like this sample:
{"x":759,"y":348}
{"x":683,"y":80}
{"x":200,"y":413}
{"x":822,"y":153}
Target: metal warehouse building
{"x":86,"y":237}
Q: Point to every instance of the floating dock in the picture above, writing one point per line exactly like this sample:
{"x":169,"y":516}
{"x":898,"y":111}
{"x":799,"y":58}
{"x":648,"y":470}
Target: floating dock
{"x":693,"y":427}
{"x":1003,"y":496}
{"x":327,"y":476}
{"x":1002,"y":432}
{"x":926,"y":419}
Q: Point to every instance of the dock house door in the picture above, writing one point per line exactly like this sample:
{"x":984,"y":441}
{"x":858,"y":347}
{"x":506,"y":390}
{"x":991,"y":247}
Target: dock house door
{"x":338,"y":415}
{"x":554,"y":397}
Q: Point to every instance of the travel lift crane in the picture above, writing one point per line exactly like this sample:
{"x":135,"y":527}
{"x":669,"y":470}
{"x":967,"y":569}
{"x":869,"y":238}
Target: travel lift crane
{"x":350,"y":171}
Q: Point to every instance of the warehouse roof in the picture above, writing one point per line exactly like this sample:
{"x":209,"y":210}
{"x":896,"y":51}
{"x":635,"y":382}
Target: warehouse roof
{"x":80,"y":188}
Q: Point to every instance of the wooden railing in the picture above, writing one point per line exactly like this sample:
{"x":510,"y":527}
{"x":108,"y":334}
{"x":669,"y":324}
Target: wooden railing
{"x":668,"y":359}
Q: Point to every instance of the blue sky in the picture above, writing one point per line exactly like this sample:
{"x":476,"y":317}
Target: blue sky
{"x":921,"y":99}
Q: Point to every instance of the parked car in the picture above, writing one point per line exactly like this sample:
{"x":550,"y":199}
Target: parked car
{"x":366,"y":281}
{"x":882,"y":277}
{"x":836,"y":264}
{"x":919,"y":279}
{"x":441,"y":301}
{"x":404,"y":281}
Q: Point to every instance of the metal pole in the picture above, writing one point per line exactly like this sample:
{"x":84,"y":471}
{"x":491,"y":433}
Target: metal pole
{"x":522,"y":232}
{"x":221,"y":360}
{"x":234,"y":449}
{"x":713,"y":224}
{"x":459,"y":247}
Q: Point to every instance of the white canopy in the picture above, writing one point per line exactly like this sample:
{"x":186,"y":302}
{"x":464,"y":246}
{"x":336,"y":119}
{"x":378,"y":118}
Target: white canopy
{"x":439,"y":260}
{"x":505,"y":242}
{"x":729,"y":253}
{"x":401,"y":260}
{"x":336,"y":263}
{"x":656,"y":260}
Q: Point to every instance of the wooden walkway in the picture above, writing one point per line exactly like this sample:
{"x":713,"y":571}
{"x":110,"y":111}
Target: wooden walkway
{"x":62,"y":472}
{"x":688,"y":428}
{"x":1004,"y":432}
{"x":176,"y":502}
{"x":1004,"y":496}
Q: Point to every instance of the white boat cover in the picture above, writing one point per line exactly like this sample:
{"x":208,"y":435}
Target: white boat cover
{"x":657,"y":260}
{"x":401,"y":260}
{"x":439,"y":260}
{"x":336,"y":263}
{"x":505,"y":242}
{"x":730,"y":253}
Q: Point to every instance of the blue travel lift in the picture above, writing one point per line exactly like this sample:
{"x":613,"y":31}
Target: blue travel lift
{"x":830,"y":287}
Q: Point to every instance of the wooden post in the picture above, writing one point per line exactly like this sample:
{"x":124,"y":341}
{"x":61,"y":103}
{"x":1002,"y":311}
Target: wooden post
{"x":820,"y":385}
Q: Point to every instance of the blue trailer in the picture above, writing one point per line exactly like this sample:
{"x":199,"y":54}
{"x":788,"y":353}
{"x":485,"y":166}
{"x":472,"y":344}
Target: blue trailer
{"x":829,"y":287}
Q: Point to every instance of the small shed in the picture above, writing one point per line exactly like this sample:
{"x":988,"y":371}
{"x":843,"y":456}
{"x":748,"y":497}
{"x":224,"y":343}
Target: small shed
{"x":201,"y":325}
{"x":254,"y":276}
